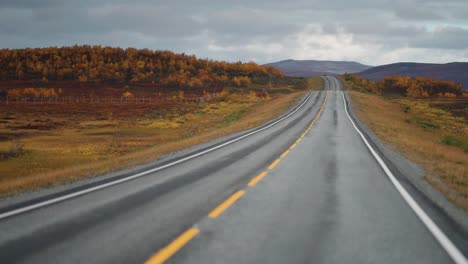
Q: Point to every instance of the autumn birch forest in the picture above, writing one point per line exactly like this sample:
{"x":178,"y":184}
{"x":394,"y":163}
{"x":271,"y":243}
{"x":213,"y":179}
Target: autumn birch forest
{"x":42,"y":68}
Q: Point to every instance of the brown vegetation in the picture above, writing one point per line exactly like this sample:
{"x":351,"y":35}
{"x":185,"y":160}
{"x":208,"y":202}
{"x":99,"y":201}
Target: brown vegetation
{"x":48,"y":143}
{"x":34,"y":92}
{"x":433,"y":133}
{"x":86,"y":64}
{"x":406,"y":86}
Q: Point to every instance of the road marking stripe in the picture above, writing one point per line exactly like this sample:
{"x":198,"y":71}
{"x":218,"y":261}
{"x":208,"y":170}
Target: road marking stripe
{"x":284,"y":154}
{"x":138,"y":175}
{"x":228,"y":202}
{"x":273,"y":165}
{"x":167,"y":252}
{"x":257,"y":178}
{"x":444,"y":241}
{"x":316,"y":117}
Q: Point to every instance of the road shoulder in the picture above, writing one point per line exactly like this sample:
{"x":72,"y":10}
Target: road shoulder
{"x":411,"y":176}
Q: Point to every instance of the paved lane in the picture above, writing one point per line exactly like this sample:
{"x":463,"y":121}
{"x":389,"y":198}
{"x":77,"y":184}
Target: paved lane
{"x":127,"y":222}
{"x":279,"y":196}
{"x":327,"y":201}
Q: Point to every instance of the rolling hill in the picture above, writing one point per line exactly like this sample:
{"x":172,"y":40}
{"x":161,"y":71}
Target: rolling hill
{"x":310,"y":68}
{"x":455,"y":71}
{"x":113,"y":65}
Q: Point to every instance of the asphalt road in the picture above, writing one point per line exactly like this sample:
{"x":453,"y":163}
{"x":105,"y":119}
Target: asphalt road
{"x":322,"y":199}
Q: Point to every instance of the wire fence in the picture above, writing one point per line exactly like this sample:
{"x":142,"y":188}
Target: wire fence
{"x":107,"y":99}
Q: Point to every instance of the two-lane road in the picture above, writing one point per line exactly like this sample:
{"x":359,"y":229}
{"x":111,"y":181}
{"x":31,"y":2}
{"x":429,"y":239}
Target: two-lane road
{"x":270,"y":195}
{"x":327,"y":201}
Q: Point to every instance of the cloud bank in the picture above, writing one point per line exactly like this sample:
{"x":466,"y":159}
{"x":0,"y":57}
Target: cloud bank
{"x":372,"y":32}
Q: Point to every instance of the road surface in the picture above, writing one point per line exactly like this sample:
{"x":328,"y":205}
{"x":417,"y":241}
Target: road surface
{"x":269,"y":195}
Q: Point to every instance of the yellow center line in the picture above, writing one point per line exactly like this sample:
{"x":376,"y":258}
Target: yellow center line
{"x":284,"y":154}
{"x":313,"y":121}
{"x":167,"y":252}
{"x":273,"y":165}
{"x":257,"y":179}
{"x":228,"y":202}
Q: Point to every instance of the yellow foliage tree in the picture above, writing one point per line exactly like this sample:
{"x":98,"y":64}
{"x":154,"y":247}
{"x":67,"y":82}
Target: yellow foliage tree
{"x":450,"y":95}
{"x":245,"y":80}
{"x":127,"y":94}
{"x":14,"y":93}
{"x":252,"y":96}
{"x":181,"y":94}
{"x":236,"y":81}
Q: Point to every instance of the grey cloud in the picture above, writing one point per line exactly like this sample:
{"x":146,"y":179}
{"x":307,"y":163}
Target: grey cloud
{"x":28,"y":3}
{"x":238,"y":28}
{"x":330,"y":28}
{"x":382,"y":29}
{"x":160,"y":21}
{"x":444,"y":38}
{"x":246,"y":21}
{"x":417,"y":13}
{"x":155,"y":21}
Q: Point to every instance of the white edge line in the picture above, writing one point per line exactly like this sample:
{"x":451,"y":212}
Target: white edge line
{"x":444,"y":241}
{"x":106,"y":185}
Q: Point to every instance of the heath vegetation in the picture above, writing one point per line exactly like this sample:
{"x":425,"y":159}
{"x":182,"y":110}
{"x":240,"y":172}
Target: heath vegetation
{"x":425,"y":119}
{"x":73,"y":112}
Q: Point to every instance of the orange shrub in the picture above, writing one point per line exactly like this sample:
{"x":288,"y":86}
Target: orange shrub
{"x":127,"y":94}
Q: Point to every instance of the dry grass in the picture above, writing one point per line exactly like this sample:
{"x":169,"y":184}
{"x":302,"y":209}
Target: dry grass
{"x":49,"y":144}
{"x":315,"y":84}
{"x":419,"y":130}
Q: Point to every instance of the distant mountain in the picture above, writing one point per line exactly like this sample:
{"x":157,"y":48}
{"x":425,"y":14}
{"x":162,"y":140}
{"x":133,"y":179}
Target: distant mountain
{"x":309,"y":68}
{"x":455,"y":71}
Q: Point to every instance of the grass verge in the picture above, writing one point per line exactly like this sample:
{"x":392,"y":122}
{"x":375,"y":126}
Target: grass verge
{"x":429,"y":136}
{"x":44,"y":145}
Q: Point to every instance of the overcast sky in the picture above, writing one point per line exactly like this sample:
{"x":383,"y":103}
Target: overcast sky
{"x":368,"y":31}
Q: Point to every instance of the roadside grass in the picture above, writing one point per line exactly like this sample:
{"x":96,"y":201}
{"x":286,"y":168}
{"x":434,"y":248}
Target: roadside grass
{"x":315,"y":84}
{"x":454,"y":141}
{"x":44,"y":145}
{"x":15,"y":149}
{"x":234,"y":116}
{"x":430,"y":136}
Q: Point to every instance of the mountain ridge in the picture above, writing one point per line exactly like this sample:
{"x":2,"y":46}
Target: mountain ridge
{"x":310,"y":68}
{"x":452,"y":71}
